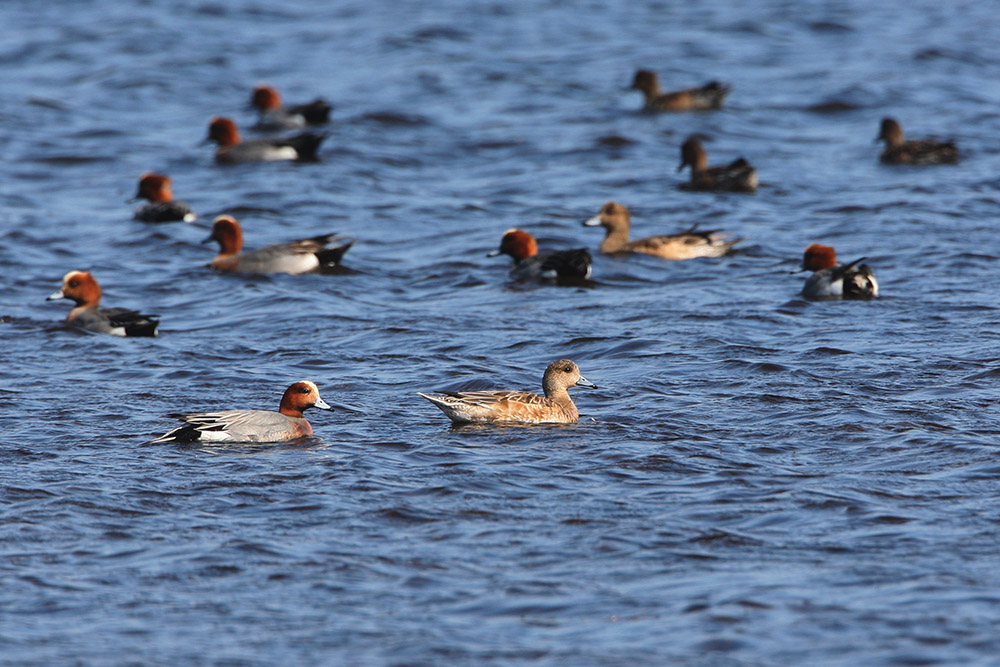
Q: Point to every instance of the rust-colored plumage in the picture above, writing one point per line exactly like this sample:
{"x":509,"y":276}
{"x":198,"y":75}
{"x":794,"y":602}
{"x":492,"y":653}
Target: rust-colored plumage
{"x":710,"y":96}
{"x":616,"y":220}
{"x":518,"y":407}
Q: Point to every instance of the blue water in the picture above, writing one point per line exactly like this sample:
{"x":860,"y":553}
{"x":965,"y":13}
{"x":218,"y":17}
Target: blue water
{"x":759,"y":480}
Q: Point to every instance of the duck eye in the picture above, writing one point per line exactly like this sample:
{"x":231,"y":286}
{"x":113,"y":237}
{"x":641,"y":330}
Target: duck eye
{"x":73,"y":283}
{"x":568,"y":369}
{"x":304,"y":390}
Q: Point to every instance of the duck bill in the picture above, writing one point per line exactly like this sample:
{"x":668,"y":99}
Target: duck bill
{"x":584,"y":382}
{"x":493,"y":253}
{"x":56,"y":295}
{"x":322,"y":405}
{"x":592,"y":222}
{"x":681,"y":167}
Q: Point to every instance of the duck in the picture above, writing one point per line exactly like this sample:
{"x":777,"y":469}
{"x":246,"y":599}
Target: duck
{"x":248,"y":426}
{"x":233,"y":150}
{"x":518,"y":407}
{"x":162,"y":207}
{"x":916,"y":151}
{"x":616,"y":219}
{"x":274,"y":116}
{"x":295,"y":257}
{"x":82,"y":288}
{"x":710,"y":96}
{"x":737,"y":176}
{"x":832,"y":281}
{"x":567,"y":265}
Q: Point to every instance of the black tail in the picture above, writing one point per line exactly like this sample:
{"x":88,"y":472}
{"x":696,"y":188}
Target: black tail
{"x":568,"y":263}
{"x":182,"y":434}
{"x":316,"y":112}
{"x":716,"y":92}
{"x":134,"y":322}
{"x":307,"y":145}
{"x":846,"y":268}
{"x":860,"y":284}
{"x":143,"y":326}
{"x":333,"y":255}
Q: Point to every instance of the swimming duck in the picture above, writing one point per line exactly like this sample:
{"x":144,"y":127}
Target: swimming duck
{"x":831,"y":281}
{"x":274,"y":116}
{"x":251,"y":425}
{"x":916,"y":151}
{"x":82,"y":288}
{"x":295,"y":257}
{"x":710,"y":96}
{"x":162,"y":206}
{"x":233,"y":150}
{"x":529,"y":265}
{"x":737,"y":176}
{"x":518,"y":407}
{"x":615,"y":218}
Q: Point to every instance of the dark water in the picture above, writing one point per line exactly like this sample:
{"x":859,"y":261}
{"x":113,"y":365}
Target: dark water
{"x":759,"y":480}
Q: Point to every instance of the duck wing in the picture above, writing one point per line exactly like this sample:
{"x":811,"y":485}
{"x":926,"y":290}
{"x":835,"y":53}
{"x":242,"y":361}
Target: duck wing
{"x":134,"y":322}
{"x":305,"y":144}
{"x":710,"y":96}
{"x":567,"y":263}
{"x":316,"y":112}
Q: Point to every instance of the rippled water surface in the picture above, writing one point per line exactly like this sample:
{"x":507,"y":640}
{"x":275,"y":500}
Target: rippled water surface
{"x":758,"y":479}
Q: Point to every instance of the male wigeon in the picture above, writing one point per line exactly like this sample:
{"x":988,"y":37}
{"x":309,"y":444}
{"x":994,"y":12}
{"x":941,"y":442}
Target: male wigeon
{"x":275,"y":116}
{"x":916,"y":151}
{"x":710,"y":96}
{"x":830,"y":281}
{"x":82,"y":288}
{"x":162,"y":206}
{"x":295,"y":257}
{"x":737,"y":176}
{"x":233,"y":150}
{"x":519,"y":407}
{"x":568,"y":265}
{"x":251,"y":425}
{"x":615,"y":218}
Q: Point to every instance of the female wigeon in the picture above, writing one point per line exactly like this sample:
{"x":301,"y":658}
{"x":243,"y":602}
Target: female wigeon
{"x":295,"y":257}
{"x":615,"y":218}
{"x":737,"y":176}
{"x":251,"y":425}
{"x":162,"y":206}
{"x":233,"y":150}
{"x":519,"y":407}
{"x":916,"y":151}
{"x":82,"y":288}
{"x":274,"y":116}
{"x":830,"y":281}
{"x":566,"y":265}
{"x":710,"y":96}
